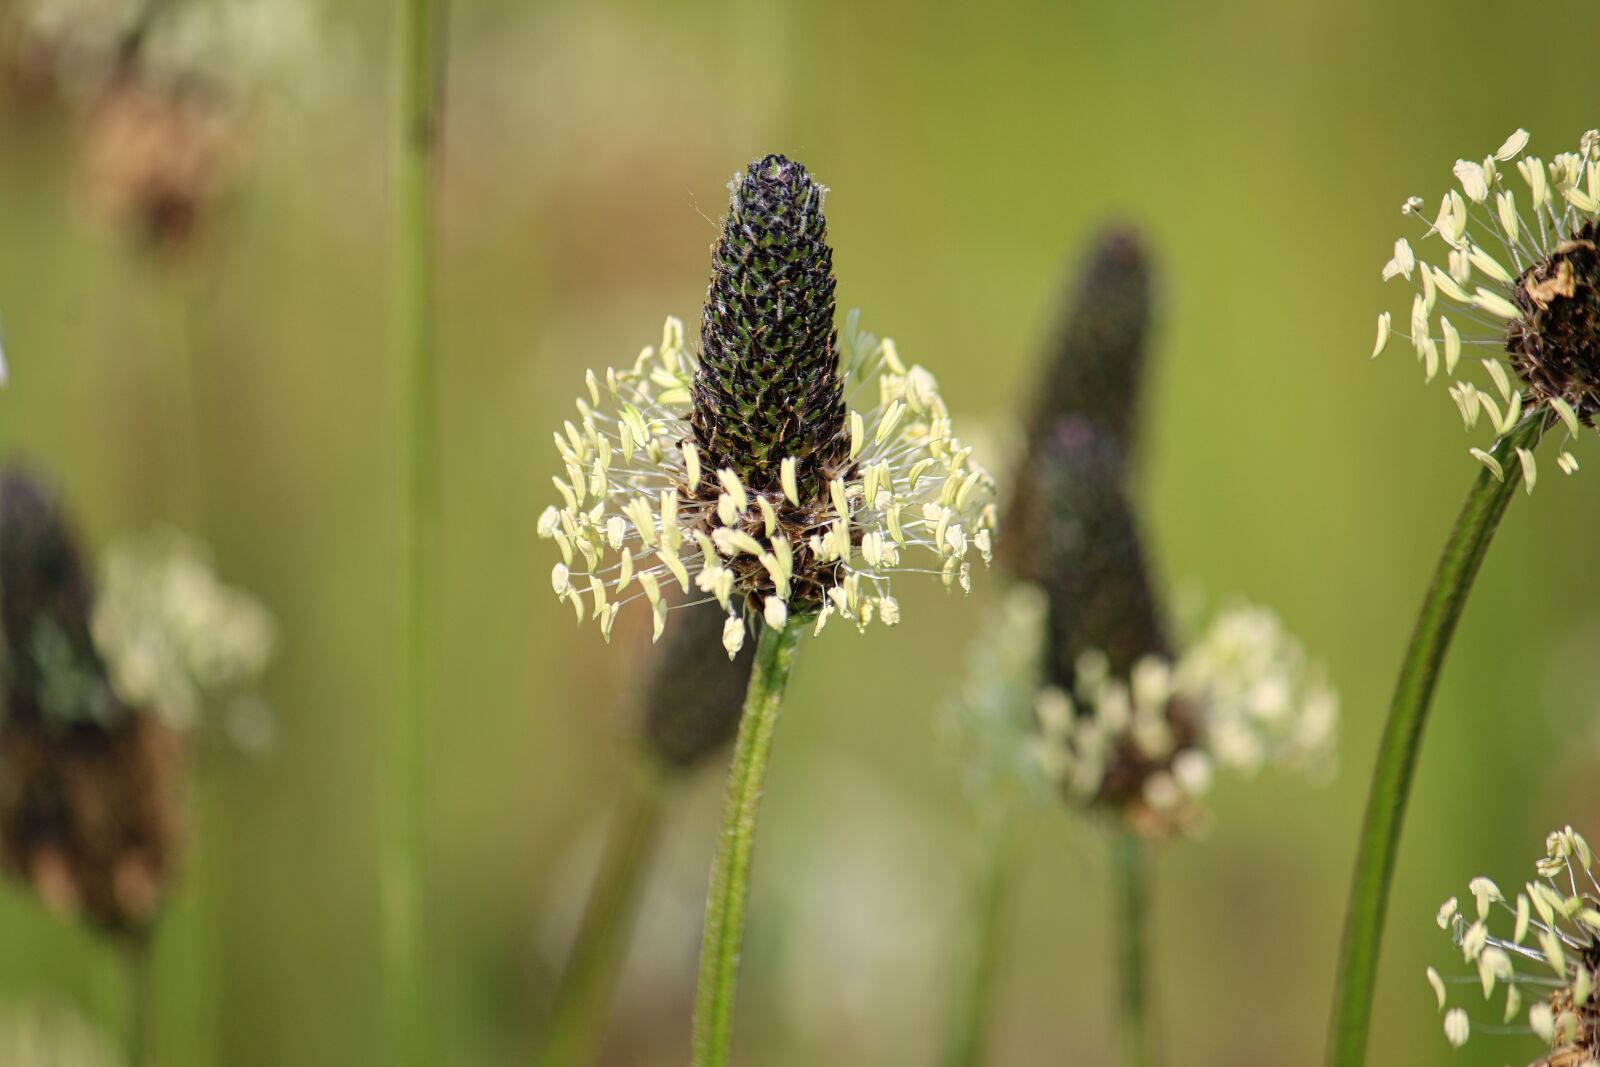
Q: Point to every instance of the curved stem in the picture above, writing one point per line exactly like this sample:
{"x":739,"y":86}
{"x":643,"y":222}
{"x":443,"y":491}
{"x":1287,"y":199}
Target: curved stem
{"x":417,"y":103}
{"x":969,"y":1016}
{"x":1129,"y":887}
{"x":1401,"y":743}
{"x":723,"y":936}
{"x":575,"y":1024}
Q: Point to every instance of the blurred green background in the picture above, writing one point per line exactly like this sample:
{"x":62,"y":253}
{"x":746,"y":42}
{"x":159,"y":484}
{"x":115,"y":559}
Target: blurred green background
{"x":1264,"y":146}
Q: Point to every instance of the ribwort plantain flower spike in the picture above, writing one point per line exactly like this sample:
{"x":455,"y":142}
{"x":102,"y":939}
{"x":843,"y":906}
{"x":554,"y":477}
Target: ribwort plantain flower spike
{"x":1545,"y":971}
{"x":1130,"y":722}
{"x":1127,"y":725}
{"x":743,"y":474}
{"x":1517,"y":276}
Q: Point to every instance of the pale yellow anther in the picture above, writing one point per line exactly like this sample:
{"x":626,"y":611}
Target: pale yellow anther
{"x":734,"y":488}
{"x":769,"y":515}
{"x":1452,"y":345}
{"x":675,"y":565}
{"x":733,"y":635}
{"x":788,"y":477}
{"x":1494,"y":304}
{"x":1512,"y":147}
{"x":840,"y":499}
{"x":671,"y":533}
{"x":889,"y":422}
{"x":858,"y":433}
{"x":1489,"y":265}
{"x":691,"y":465}
{"x":1492,"y":464}
{"x":775,"y":613}
{"x":1383,"y":334}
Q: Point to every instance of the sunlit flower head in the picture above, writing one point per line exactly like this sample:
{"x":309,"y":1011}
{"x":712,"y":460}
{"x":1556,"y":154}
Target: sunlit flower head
{"x":770,"y":472}
{"x":1536,"y":953}
{"x":1507,"y":273}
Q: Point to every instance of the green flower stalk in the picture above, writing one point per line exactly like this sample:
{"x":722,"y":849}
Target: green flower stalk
{"x":1520,"y":281}
{"x":742,"y":475}
{"x":1547,"y":961}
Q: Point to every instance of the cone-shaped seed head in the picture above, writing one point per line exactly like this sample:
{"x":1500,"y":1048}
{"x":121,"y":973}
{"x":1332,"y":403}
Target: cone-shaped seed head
{"x":1091,"y":559}
{"x":1555,"y":346}
{"x":768,"y":384}
{"x":696,"y":693}
{"x":1096,"y":367}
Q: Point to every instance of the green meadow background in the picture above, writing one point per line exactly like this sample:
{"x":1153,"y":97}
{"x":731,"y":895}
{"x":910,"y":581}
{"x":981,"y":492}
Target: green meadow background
{"x":1264,"y":146}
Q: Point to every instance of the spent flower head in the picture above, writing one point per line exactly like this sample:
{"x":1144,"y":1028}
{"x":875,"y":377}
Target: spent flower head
{"x":1508,"y":272}
{"x":778,"y":472}
{"x":1539,"y":950}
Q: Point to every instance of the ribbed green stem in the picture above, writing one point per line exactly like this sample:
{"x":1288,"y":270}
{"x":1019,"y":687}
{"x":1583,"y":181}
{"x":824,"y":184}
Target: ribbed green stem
{"x":576,"y":1022}
{"x":1402,"y":742}
{"x":1130,"y":882}
{"x":974,"y":996}
{"x":723,"y":936}
{"x":421,"y":67}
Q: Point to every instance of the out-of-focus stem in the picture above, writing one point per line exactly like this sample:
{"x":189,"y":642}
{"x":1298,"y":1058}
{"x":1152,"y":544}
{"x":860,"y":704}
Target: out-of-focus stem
{"x":974,"y":995}
{"x":420,"y":62}
{"x":576,"y":1022}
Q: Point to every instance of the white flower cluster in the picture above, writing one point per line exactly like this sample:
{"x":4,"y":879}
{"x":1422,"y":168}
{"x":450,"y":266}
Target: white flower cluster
{"x":639,"y":512}
{"x":1491,"y":231}
{"x":1241,"y":696}
{"x":172,"y":634}
{"x":1555,"y":937}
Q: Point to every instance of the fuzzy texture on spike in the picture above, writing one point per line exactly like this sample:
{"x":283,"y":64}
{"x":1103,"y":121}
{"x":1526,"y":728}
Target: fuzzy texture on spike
{"x":1092,"y":373}
{"x":1555,"y":346}
{"x":1097,"y":362}
{"x":696,"y":692}
{"x":768,"y":384}
{"x":1092,"y":562}
{"x":88,"y":814}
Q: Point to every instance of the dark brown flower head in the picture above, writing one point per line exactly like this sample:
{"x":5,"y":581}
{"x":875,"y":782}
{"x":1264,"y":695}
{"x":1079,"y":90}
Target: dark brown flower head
{"x":768,"y":385}
{"x":87,"y":808}
{"x":1092,"y":566}
{"x":1096,"y":366}
{"x":1093,"y":373}
{"x":1555,"y":346}
{"x":696,"y":693}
